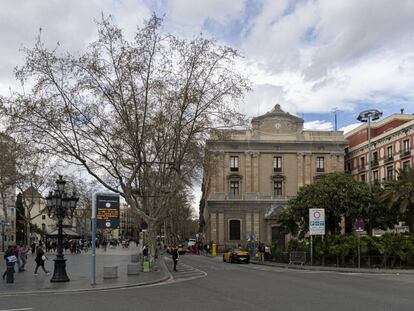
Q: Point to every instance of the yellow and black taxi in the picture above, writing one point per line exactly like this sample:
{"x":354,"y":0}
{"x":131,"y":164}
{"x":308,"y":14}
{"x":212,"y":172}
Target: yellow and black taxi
{"x":236,"y":255}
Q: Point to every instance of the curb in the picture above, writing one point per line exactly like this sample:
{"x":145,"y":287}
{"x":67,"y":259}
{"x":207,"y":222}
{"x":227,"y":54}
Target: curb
{"x":165,"y":278}
{"x":335,"y":269}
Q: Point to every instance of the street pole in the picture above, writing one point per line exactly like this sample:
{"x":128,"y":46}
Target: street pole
{"x":369,"y":175}
{"x":359,"y":250}
{"x":93,"y":258}
{"x":311,"y":250}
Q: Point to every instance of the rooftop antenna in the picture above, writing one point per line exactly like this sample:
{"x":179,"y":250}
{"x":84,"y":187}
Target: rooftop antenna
{"x":336,"y":119}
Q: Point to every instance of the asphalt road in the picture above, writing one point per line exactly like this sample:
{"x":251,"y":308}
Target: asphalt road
{"x":208,"y":284}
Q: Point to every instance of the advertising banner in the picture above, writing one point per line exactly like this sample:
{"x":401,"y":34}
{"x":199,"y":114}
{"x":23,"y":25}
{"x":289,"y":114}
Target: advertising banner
{"x":107,"y":211}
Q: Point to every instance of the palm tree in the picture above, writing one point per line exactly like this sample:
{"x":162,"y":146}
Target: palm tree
{"x":399,"y":194}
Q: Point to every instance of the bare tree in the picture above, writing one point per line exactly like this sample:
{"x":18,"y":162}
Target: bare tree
{"x":8,"y":177}
{"x":132,"y":113}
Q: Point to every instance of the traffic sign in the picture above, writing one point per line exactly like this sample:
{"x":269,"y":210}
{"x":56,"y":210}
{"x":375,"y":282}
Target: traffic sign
{"x":359,"y":225}
{"x":317,"y":221}
{"x":4,"y":223}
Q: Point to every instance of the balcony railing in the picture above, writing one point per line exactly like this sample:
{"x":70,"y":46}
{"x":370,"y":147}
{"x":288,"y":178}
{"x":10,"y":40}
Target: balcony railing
{"x":374,"y":163}
{"x":248,"y":196}
{"x":320,"y":170}
{"x":389,"y":159}
{"x":361,"y":168}
{"x":405,"y":153}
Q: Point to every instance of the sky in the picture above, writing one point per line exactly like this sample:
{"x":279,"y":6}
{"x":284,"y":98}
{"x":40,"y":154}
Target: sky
{"x":310,"y":56}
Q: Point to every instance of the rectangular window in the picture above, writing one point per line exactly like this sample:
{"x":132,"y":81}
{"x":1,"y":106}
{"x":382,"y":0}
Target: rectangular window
{"x":376,"y":177}
{"x":406,"y":166}
{"x":234,"y":187}
{"x":277,"y":164}
{"x":362,"y":162}
{"x":362,"y":178}
{"x":374,"y":161}
{"x":277,"y":188}
{"x":234,"y":163}
{"x":43,"y":216}
{"x":390,"y":171}
{"x":389,"y":152}
{"x":320,"y":164}
{"x":406,"y":146}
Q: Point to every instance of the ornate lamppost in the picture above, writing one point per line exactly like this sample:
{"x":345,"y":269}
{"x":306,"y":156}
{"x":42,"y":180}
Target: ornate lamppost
{"x":60,"y":206}
{"x":368,"y":116}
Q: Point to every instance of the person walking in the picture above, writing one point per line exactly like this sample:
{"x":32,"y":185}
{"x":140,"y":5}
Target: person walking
{"x":23,"y":257}
{"x":10,"y":258}
{"x":40,"y":260}
{"x":174,"y":254}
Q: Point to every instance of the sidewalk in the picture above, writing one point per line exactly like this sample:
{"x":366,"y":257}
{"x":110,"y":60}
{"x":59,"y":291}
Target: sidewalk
{"x":78,"y":268}
{"x":334,"y":269}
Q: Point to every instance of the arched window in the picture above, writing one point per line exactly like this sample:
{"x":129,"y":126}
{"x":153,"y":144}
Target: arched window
{"x":234,"y":229}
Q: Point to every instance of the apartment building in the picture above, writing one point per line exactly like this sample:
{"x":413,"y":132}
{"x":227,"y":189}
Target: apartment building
{"x":391,"y":148}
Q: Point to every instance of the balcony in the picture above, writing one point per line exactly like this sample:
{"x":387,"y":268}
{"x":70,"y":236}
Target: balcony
{"x":248,"y":196}
{"x":320,"y":170}
{"x":389,"y":159}
{"x":405,"y":153}
{"x":277,"y":169}
{"x":361,"y":168}
{"x":374,"y":163}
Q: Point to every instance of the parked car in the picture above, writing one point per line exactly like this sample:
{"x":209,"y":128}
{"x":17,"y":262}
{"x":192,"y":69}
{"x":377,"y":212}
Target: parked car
{"x":191,"y":242}
{"x":236,"y":255}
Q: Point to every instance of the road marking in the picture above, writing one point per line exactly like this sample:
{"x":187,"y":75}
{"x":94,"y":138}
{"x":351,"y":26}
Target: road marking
{"x":21,"y":309}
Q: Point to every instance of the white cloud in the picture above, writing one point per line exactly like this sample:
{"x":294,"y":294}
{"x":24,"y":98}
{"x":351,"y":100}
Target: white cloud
{"x":318,"y":125}
{"x":349,"y":127}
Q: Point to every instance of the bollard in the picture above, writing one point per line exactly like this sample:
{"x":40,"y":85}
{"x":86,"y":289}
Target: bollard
{"x":110,"y":272}
{"x":133,"y":268}
{"x":214,"y":250}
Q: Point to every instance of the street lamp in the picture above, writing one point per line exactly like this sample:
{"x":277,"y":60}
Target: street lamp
{"x":368,"y":116}
{"x":60,"y":206}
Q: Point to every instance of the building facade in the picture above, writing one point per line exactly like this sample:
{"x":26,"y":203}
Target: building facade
{"x":391,"y":148}
{"x":253,"y":173}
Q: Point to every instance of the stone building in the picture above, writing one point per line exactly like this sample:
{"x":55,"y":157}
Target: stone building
{"x":391,"y":148}
{"x":253,"y":173}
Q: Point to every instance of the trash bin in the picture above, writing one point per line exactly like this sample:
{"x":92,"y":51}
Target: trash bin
{"x":146,"y":266}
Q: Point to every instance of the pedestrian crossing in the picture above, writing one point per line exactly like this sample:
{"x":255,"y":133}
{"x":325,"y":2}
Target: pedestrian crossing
{"x":184,"y":272}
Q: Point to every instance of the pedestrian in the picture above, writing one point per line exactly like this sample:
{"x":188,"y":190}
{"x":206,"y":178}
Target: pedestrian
{"x":23,"y":256}
{"x":10,"y":258}
{"x":174,"y":254}
{"x":40,"y":260}
{"x":33,"y":247}
{"x":261,"y":252}
{"x":145,"y":252}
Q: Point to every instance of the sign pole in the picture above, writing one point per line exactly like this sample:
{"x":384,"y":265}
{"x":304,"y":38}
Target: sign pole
{"x":93,"y":218}
{"x":311,"y":250}
{"x":359,"y":250}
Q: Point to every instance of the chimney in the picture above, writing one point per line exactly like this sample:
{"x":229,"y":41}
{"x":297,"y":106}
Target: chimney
{"x":402,"y":110}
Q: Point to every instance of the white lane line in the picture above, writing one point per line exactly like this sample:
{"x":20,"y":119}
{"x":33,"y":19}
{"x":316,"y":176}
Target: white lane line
{"x":21,"y":309}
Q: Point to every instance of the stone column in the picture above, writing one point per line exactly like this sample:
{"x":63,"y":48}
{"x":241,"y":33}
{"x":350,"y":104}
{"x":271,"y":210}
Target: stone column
{"x":256,"y":173}
{"x":308,"y":168}
{"x":221,"y":233}
{"x":213,"y":229}
{"x":248,"y":177}
{"x":248,"y":222}
{"x":226,"y":170}
{"x":256,"y":225}
{"x":300,"y":168}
